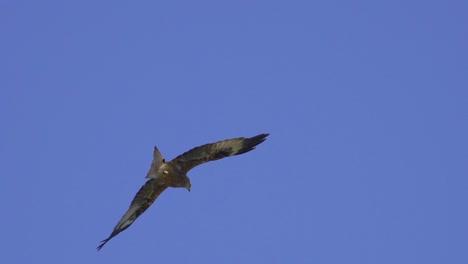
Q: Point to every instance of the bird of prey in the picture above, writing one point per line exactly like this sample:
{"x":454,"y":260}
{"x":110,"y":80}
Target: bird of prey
{"x":173,"y":173}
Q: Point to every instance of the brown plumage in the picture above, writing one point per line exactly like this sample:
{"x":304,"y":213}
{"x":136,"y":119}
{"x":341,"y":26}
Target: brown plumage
{"x":164,"y":174}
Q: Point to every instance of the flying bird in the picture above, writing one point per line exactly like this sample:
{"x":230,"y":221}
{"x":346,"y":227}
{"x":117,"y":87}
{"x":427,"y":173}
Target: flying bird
{"x":173,"y":173}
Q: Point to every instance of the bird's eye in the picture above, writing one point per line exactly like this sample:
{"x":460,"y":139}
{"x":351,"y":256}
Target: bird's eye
{"x":165,"y":172}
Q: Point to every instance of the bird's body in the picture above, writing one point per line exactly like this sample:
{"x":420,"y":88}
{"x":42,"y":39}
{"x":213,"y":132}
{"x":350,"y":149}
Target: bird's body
{"x":164,"y":174}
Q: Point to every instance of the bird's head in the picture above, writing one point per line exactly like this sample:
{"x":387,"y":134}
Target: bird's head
{"x":169,"y":173}
{"x":187,"y":184}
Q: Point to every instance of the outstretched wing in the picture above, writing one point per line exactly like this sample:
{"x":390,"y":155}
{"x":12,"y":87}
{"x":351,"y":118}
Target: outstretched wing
{"x":218,"y":150}
{"x":143,"y":199}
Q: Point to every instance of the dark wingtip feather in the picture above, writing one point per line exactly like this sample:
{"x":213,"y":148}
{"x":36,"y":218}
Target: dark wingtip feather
{"x":250,"y":143}
{"x":102,"y":244}
{"x":106,"y":240}
{"x":254,"y":141}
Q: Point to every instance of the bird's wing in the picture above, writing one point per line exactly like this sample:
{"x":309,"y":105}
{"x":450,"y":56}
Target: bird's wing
{"x":143,"y":199}
{"x":218,"y":150}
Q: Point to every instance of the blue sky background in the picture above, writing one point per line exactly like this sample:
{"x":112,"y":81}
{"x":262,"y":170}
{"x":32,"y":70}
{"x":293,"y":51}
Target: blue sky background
{"x":365,"y":101}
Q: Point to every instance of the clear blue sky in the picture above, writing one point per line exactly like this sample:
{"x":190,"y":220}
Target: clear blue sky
{"x":366,"y":104}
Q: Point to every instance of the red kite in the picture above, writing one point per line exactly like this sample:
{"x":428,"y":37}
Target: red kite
{"x":164,"y":174}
